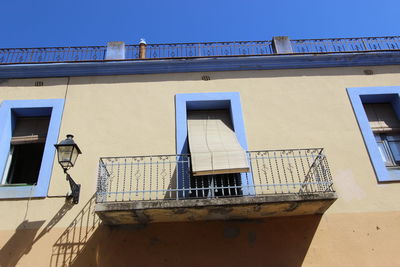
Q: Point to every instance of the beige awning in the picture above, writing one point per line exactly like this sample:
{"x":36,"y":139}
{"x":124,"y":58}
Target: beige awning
{"x":213,"y":144}
{"x":381,"y":117}
{"x":30,"y":130}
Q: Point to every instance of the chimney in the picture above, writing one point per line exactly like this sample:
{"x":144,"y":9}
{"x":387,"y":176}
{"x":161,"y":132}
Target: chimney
{"x":142,"y":48}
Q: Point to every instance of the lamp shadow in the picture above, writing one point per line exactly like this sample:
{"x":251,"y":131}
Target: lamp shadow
{"x":24,"y":238}
{"x":72,"y":241}
{"x":20,"y":243}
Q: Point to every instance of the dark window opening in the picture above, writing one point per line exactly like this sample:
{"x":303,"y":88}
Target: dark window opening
{"x":220,"y":185}
{"x":26,"y":151}
{"x":25,"y":163}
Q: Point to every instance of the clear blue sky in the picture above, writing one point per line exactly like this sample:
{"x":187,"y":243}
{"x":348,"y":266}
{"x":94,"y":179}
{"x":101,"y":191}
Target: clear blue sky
{"x":36,"y":23}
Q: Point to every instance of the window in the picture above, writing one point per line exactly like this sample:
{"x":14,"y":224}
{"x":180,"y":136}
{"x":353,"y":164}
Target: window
{"x":385,"y":126}
{"x":216,"y":155}
{"x":217,"y":185}
{"x":213,"y":144}
{"x":389,"y":148}
{"x":26,"y":151}
{"x":28,"y":131}
{"x":216,"y":106}
{"x":377,"y":110}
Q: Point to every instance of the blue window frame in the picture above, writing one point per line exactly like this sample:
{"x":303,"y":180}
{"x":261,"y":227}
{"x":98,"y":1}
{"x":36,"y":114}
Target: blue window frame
{"x":199,"y":101}
{"x":365,"y":95}
{"x":9,"y":110}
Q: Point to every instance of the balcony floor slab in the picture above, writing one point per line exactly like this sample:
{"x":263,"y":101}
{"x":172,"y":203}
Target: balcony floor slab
{"x":233,"y":208}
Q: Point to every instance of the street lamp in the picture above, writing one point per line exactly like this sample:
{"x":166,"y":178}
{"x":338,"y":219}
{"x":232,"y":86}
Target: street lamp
{"x":68,"y":152}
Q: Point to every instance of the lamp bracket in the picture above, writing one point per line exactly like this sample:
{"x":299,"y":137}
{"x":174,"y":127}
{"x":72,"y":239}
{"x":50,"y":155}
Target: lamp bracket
{"x":75,"y":189}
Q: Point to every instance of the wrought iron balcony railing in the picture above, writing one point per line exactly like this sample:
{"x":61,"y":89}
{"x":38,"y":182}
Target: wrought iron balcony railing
{"x":168,"y":177}
{"x":193,"y":50}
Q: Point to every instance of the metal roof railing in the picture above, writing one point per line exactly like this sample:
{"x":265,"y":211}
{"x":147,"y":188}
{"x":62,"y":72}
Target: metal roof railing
{"x":197,"y":50}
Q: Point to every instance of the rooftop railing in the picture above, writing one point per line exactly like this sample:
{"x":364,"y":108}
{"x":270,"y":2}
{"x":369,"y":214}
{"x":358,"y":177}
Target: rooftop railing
{"x":168,"y":177}
{"x":196,"y":50}
{"x":340,"y":45}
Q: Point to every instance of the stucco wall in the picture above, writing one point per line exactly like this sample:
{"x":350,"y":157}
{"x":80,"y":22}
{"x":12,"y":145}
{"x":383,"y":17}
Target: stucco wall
{"x":367,"y":239}
{"x":135,"y":115}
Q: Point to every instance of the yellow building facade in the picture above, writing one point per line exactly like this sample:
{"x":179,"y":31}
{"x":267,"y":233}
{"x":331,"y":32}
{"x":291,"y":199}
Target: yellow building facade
{"x":124,"y":115}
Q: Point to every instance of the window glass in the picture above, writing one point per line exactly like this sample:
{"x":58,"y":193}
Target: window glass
{"x":383,"y":153}
{"x":393,"y":137}
{"x":395,"y":149}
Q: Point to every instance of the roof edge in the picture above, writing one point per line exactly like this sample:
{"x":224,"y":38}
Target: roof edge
{"x":199,"y":65}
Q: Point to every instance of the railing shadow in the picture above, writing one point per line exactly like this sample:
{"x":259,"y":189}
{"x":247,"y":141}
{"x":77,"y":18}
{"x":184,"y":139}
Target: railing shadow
{"x":64,"y":209}
{"x":24,"y":237}
{"x":73,"y":240}
{"x":170,"y":193}
{"x":280,"y":241}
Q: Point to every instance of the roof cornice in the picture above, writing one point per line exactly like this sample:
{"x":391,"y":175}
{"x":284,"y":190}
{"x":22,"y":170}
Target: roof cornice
{"x":238,"y":63}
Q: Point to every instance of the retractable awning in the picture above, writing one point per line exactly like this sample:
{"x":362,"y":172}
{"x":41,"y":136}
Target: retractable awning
{"x":30,"y":130}
{"x":382,"y":117}
{"x":213,"y":144}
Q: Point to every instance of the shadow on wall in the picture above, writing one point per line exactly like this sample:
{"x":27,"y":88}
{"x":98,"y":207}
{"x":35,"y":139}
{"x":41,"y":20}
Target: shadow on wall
{"x":20,"y":243}
{"x":72,"y":241}
{"x":24,"y":238}
{"x":273,"y":242}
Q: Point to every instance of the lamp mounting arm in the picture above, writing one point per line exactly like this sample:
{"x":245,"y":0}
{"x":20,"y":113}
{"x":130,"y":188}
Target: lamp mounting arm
{"x":75,"y":189}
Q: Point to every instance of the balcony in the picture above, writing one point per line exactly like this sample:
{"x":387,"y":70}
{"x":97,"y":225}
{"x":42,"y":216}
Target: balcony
{"x":144,"y":189}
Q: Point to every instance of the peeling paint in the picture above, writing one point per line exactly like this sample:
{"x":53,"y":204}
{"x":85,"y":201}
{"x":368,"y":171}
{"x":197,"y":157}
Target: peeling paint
{"x":222,"y":210}
{"x":251,"y":238}
{"x":348,"y":186}
{"x":292,"y":206}
{"x":179,"y":211}
{"x":257,"y":208}
{"x":231,"y":232}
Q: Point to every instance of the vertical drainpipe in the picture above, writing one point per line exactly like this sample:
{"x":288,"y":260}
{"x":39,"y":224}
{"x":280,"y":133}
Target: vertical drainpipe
{"x":142,"y":49}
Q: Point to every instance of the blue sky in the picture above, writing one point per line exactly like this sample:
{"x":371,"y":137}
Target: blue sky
{"x":37,"y":23}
